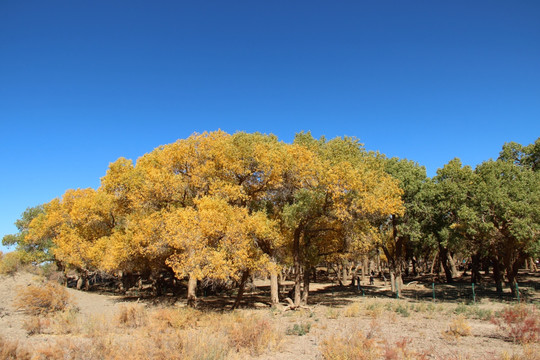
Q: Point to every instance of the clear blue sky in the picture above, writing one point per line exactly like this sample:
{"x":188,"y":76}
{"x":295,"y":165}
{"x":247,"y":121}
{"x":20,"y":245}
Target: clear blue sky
{"x":85,"y":82}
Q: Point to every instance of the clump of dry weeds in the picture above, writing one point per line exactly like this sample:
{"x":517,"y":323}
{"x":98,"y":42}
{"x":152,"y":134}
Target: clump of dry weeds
{"x":43,"y":299}
{"x":458,"y":327}
{"x":133,"y":315}
{"x":359,"y":346}
{"x":13,"y":350}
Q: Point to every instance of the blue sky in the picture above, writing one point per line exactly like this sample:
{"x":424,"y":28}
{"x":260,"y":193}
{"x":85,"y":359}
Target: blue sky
{"x":85,"y":82}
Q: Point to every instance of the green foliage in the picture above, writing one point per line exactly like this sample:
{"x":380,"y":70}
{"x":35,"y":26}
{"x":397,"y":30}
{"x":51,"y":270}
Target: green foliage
{"x":31,"y":250}
{"x":300,"y":329}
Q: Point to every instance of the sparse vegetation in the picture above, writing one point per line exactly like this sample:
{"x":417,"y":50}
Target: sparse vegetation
{"x":9,"y":263}
{"x":43,"y":299}
{"x":299,"y":329}
{"x":520,"y":323}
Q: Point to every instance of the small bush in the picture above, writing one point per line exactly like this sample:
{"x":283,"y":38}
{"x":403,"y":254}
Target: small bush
{"x":402,"y":310}
{"x":11,"y":350}
{"x":42,"y":299}
{"x":132,"y":316}
{"x":352,"y":310}
{"x":332,"y":313}
{"x":354,"y":347}
{"x":176,"y":318}
{"x":521,"y":323}
{"x":254,"y":335}
{"x":299,"y":329}
{"x":358,"y":346}
{"x":10,"y":263}
{"x":36,"y":325}
{"x":458,"y":327}
{"x":529,"y":353}
{"x":66,"y":322}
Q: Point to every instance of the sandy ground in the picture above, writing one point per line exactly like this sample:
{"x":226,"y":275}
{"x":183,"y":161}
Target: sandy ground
{"x":422,"y":330}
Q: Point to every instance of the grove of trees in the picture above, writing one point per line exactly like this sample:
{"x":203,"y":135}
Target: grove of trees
{"x":217,"y":208}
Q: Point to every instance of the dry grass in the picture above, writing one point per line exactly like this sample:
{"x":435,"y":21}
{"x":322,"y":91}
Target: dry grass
{"x":354,"y":346}
{"x":458,"y":327}
{"x":138,"y":331}
{"x":161,"y":333}
{"x":10,"y":263}
{"x":42,"y":299}
{"x":12,"y":350}
{"x":133,"y":316}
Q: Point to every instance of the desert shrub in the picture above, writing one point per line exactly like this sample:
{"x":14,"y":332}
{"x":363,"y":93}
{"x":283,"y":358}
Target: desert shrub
{"x":132,"y":316}
{"x":12,"y":350}
{"x":458,"y":327}
{"x":251,"y":334}
{"x":374,"y":309}
{"x":176,"y":318}
{"x":66,"y":322}
{"x":356,"y":346}
{"x":530,"y":352}
{"x":299,"y":329}
{"x":10,"y":263}
{"x":359,"y":346}
{"x":400,"y":351}
{"x":332,"y":313}
{"x":35,"y":325}
{"x":402,"y":310}
{"x":473,"y":311}
{"x":42,"y":299}
{"x":352,"y":310}
{"x":204,"y":345}
{"x":521,"y":323}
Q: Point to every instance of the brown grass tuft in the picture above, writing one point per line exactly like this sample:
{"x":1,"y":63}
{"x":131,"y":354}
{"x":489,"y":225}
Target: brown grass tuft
{"x":42,"y":299}
{"x":133,"y":316}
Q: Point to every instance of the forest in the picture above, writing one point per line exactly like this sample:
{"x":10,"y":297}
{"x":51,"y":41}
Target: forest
{"x":215,"y":210}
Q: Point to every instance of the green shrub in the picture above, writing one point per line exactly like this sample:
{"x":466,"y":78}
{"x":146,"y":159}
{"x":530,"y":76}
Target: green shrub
{"x":299,"y":329}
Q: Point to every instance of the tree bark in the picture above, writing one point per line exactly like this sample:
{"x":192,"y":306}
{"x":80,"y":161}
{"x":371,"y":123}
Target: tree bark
{"x":192,"y":291}
{"x":475,"y":271}
{"x":497,"y":275}
{"x":434,"y":263}
{"x":445,"y":256}
{"x":241,"y":288}
{"x":344,"y":272}
{"x":274,"y":288}
{"x":452,"y":265}
{"x":305,"y":292}
{"x":297,"y":266}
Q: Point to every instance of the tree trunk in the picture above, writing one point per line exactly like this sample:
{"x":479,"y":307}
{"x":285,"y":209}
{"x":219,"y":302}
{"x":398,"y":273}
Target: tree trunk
{"x":192,"y":291}
{"x":445,"y":256}
{"x":274,"y":288}
{"x":392,"y":282}
{"x":452,"y":265}
{"x":344,"y":272}
{"x":533,"y":266}
{"x":241,"y":287}
{"x":475,"y":271}
{"x":497,"y":275}
{"x":434,"y":263}
{"x":364,"y":268}
{"x":297,"y":267}
{"x":305,"y":292}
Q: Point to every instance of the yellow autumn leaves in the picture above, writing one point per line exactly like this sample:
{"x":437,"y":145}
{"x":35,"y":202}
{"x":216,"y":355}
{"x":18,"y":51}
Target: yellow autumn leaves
{"x":216,"y":205}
